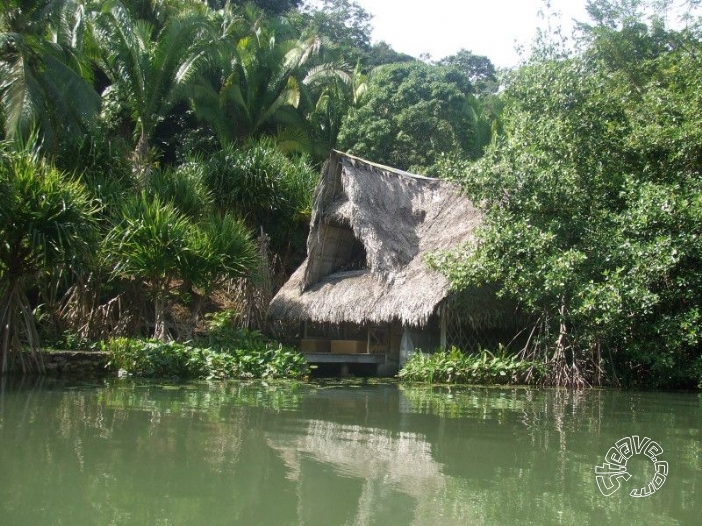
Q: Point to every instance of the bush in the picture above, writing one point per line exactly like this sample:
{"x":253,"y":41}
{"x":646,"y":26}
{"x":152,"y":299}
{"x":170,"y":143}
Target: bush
{"x":185,"y":188}
{"x":47,"y":224}
{"x":155,"y":243}
{"x":266,"y":188}
{"x":223,"y":333}
{"x":155,"y":359}
{"x":455,"y":367}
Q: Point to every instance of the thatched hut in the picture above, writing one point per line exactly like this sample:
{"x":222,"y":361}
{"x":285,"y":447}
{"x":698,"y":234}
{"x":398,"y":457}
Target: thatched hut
{"x":365,"y":287}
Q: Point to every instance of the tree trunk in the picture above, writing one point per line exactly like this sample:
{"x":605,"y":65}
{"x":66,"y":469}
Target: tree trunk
{"x":141,"y":160}
{"x":16,"y":313}
{"x":160,"y":298}
{"x":5,"y":344}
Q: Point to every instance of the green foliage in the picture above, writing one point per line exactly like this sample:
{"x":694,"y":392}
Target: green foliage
{"x":382,"y":53}
{"x":275,"y":7}
{"x":454,"y":367}
{"x":151,"y":242}
{"x":410,"y":114}
{"x":154,"y":242}
{"x":102,"y":164}
{"x":345,"y":27}
{"x":269,"y":190}
{"x":344,"y":24}
{"x":223,"y":333}
{"x":185,"y":188}
{"x":594,"y":202}
{"x":331,"y":92}
{"x":223,"y":249}
{"x":72,"y":341}
{"x":46,"y":217}
{"x":253,"y":85}
{"x":149,"y":67}
{"x":479,"y":69}
{"x":227,"y":351}
{"x":45,"y":80}
{"x":47,"y":221}
{"x":155,"y":359}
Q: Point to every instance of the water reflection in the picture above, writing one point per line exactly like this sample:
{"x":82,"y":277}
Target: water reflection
{"x":385,"y":463}
{"x":231,"y":453}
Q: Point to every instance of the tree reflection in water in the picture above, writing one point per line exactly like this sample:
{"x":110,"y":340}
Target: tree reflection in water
{"x":127,"y":453}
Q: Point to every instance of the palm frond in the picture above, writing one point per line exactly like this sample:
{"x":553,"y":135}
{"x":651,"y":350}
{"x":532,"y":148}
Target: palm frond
{"x":290,"y":96}
{"x":81,"y":102}
{"x":326,"y":72}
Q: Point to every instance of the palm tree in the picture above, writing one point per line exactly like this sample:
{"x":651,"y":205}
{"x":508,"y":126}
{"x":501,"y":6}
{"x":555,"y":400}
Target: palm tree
{"x":254,"y":86}
{"x":46,"y":222}
{"x":149,"y":68}
{"x":45,"y":82}
{"x":486,"y":120}
{"x":332,"y":92}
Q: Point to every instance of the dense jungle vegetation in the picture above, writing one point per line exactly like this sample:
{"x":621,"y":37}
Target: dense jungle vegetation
{"x":158,"y":157}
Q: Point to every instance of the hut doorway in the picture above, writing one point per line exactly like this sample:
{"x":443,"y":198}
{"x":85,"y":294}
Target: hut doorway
{"x":340,"y":251}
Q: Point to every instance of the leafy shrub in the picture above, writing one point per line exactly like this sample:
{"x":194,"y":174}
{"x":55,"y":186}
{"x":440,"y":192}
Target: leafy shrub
{"x":68,"y":340}
{"x":262,"y":185}
{"x":453,"y":366}
{"x":47,"y":223}
{"x":185,"y":188}
{"x":224,"y":334}
{"x":102,"y":160}
{"x":223,"y":249}
{"x":155,"y":243}
{"x":155,"y":359}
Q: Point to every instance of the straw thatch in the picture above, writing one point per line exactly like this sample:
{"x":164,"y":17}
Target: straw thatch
{"x":371,"y":228}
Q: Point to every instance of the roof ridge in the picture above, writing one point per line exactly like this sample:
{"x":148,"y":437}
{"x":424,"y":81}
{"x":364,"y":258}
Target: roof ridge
{"x":383,"y":167}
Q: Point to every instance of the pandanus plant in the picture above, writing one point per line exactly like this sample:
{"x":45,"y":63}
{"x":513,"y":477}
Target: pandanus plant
{"x":155,"y":243}
{"x":47,"y":221}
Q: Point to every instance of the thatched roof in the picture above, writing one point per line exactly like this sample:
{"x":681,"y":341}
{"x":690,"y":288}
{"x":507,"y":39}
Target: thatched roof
{"x":392,"y":220}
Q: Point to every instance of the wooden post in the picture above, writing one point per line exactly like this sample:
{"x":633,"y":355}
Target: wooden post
{"x":304,"y":330}
{"x":443,"y":322}
{"x":368,"y":329}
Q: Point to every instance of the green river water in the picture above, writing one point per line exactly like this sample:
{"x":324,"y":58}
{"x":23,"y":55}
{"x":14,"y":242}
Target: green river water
{"x":334,"y":453}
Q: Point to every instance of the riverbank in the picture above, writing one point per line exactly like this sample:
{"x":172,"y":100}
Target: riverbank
{"x":78,"y":364}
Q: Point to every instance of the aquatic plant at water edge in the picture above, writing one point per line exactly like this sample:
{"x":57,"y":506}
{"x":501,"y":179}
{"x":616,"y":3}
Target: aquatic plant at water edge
{"x":454,"y":367}
{"x":224,"y":333}
{"x":156,"y":359}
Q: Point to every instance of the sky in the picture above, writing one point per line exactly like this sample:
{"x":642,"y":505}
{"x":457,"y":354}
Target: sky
{"x":485,"y":27}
